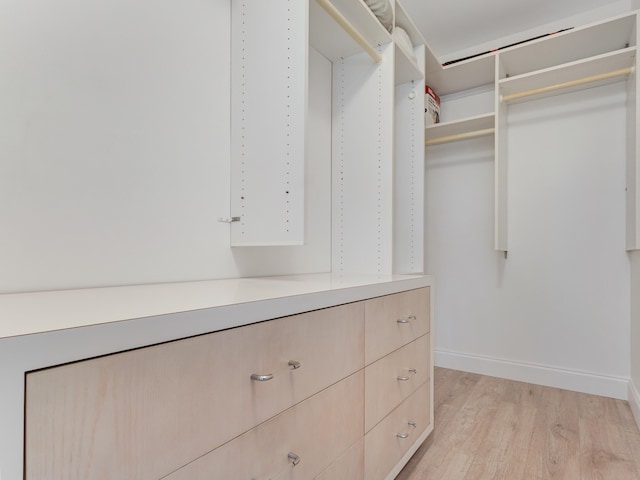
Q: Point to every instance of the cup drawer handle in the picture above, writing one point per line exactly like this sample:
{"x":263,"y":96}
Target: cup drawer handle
{"x":406,"y":320}
{"x":403,"y":378}
{"x":258,"y":377}
{"x":412,"y":425}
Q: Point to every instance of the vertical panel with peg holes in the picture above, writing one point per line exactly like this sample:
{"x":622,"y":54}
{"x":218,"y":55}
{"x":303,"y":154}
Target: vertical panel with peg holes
{"x":408,"y":196}
{"x":362,"y":187}
{"x":269,"y":53}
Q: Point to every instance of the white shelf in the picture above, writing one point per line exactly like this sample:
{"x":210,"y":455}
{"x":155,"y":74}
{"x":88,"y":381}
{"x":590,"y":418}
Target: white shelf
{"x":406,"y":67}
{"x":460,"y":76}
{"x":569,"y":46}
{"x":404,"y":21}
{"x":569,"y":72}
{"x":326,"y":36}
{"x":442,"y":132}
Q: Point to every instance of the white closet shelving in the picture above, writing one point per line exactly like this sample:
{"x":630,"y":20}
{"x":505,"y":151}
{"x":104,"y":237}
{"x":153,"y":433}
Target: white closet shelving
{"x":377,"y":130}
{"x":578,"y":58}
{"x":330,"y":39}
{"x":465,"y":128}
{"x":407,"y":63}
{"x":593,"y":71}
{"x":269,"y":68}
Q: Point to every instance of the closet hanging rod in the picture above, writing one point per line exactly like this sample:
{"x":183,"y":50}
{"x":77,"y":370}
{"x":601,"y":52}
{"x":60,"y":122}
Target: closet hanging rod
{"x":340,"y":19}
{"x":573,"y":83}
{"x":459,"y":136}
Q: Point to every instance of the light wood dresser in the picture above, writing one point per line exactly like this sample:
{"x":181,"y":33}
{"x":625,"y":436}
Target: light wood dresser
{"x":339,"y":388}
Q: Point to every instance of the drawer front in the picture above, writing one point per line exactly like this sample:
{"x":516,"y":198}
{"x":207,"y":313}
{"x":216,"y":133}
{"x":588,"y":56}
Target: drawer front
{"x":395,"y":320}
{"x":317,"y":431}
{"x":144,"y":413}
{"x":350,"y":466}
{"x":383,"y":447}
{"x":393,"y":378}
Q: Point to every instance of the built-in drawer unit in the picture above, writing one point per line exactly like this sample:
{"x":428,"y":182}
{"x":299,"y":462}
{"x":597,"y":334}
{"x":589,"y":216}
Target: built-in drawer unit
{"x":394,"y":377}
{"x":144,"y":413}
{"x":289,"y":397}
{"x":297,"y":444}
{"x":392,"y":321}
{"x":392,"y":437}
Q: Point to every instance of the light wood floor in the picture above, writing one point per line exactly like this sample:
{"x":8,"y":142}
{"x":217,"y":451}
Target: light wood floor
{"x":488,"y":429}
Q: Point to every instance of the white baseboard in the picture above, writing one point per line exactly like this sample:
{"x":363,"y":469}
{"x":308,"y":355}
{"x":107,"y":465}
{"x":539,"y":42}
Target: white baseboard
{"x":608,"y":386}
{"x":634,"y":401}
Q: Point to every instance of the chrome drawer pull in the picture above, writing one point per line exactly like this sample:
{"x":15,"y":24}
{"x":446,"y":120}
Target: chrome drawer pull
{"x":405,"y":435}
{"x":412,"y":371}
{"x":409,"y":319}
{"x":293,"y":364}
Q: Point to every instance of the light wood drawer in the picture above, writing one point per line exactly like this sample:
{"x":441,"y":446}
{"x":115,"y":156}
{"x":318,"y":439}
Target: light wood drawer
{"x":144,"y":413}
{"x":317,"y":430}
{"x":350,"y":466}
{"x":395,"y":320}
{"x":394,"y":377}
{"x":383,"y":448}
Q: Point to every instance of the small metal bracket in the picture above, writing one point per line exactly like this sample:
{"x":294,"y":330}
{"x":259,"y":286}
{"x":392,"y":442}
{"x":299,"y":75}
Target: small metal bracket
{"x":293,"y":458}
{"x":228,"y":220}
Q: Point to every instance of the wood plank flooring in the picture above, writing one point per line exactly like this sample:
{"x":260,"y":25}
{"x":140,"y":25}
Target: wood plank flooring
{"x":493,"y":429}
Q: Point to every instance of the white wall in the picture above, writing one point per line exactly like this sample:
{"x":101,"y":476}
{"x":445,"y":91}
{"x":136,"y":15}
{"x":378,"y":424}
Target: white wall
{"x":634,"y":390}
{"x":114,"y":147}
{"x":556,"y":311}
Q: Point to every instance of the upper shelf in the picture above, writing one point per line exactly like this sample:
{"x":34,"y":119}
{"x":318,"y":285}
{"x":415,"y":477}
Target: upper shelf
{"x":460,"y":76}
{"x":326,"y":36}
{"x":407,"y":68}
{"x":568,"y":46}
{"x":593,"y":71}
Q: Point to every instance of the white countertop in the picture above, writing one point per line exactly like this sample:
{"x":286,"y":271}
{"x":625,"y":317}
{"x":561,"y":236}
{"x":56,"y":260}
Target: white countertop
{"x":39,"y":312}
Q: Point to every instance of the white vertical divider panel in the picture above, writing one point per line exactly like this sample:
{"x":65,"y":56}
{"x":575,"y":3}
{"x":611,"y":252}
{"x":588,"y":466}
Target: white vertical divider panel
{"x":500,"y":166}
{"x":408,"y":208}
{"x":633,"y":155}
{"x":362,"y":164}
{"x":269,"y":53}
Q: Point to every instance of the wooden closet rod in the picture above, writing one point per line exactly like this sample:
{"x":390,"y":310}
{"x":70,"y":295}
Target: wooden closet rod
{"x":459,"y":136}
{"x":580,"y":81}
{"x":334,"y":13}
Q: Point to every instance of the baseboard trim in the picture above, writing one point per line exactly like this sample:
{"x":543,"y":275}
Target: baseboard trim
{"x":608,"y":386}
{"x":634,"y":401}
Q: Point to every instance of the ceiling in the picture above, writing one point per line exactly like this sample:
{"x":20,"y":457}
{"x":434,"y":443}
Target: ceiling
{"x":458,"y":25}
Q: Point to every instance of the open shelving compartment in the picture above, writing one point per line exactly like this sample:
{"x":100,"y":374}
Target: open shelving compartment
{"x":408,"y":149}
{"x":375,"y":102}
{"x":463,"y":129}
{"x":589,"y":72}
{"x":407,"y":66}
{"x":463,"y":76}
{"x":332,"y":40}
{"x":578,"y":58}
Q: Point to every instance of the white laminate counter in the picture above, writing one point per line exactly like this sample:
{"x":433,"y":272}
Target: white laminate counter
{"x":43,"y":329}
